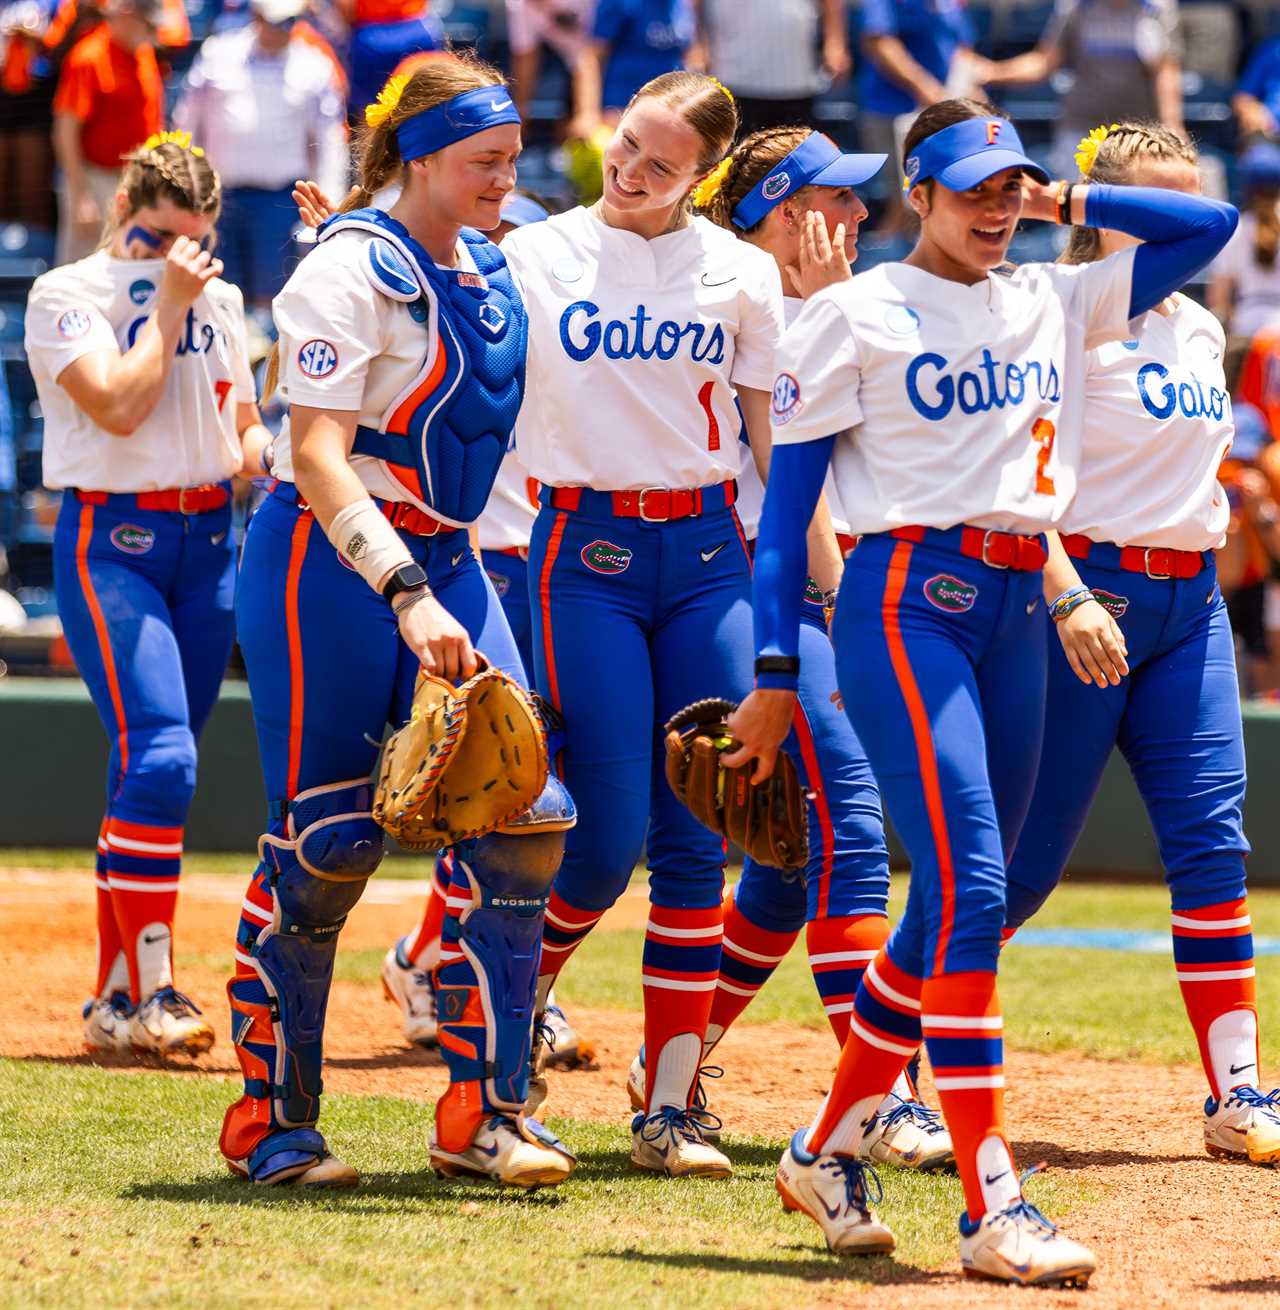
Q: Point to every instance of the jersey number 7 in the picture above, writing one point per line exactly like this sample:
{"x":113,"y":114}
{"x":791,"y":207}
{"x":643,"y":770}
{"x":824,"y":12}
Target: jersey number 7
{"x":223,"y":390}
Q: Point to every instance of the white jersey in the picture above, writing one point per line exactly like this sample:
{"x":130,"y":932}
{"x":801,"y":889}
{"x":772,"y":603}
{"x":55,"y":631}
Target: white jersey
{"x":635,"y":347}
{"x":190,"y":438}
{"x":751,"y":490}
{"x":955,"y":404}
{"x":346,"y":345}
{"x":513,"y":505}
{"x":1157,"y":427}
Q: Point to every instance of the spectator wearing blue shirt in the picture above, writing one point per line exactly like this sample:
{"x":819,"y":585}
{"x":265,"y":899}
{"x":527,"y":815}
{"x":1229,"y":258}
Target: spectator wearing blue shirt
{"x":1257,"y":97}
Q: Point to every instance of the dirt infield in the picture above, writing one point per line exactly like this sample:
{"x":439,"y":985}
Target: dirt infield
{"x":1170,"y":1227}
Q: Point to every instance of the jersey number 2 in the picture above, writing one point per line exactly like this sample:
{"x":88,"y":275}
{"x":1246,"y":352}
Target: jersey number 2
{"x":1043,"y":433}
{"x":223,"y":389}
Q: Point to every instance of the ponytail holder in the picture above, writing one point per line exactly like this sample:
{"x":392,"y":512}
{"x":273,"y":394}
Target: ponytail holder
{"x":180,"y":139}
{"x":720,"y":86}
{"x":388,"y":98}
{"x":709,"y":188}
{"x":1087,"y":150}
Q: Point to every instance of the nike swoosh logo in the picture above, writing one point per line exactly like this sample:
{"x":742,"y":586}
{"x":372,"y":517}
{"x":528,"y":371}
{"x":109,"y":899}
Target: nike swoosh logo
{"x":724,"y":282}
{"x":490,"y":1151}
{"x":161,"y":936}
{"x":1032,"y":605}
{"x":1240,"y":1068}
{"x":457,"y":559}
{"x":709,"y":555}
{"x":495,"y":105}
{"x":997,"y":1177}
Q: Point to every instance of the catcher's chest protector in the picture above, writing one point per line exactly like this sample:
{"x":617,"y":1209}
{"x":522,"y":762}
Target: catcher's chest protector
{"x":445,"y":435}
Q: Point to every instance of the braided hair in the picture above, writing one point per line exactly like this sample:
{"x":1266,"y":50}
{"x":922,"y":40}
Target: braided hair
{"x":169,"y":170}
{"x":751,"y":160}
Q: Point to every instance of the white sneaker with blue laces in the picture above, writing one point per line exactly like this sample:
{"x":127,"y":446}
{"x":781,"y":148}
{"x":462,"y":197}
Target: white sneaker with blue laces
{"x":836,"y":1192}
{"x":908,"y":1135}
{"x":168,"y":1023}
{"x":712,"y":1125}
{"x":1019,"y":1245}
{"x":106,"y":1022}
{"x":515,"y":1151}
{"x":1244,"y":1125}
{"x":672,"y":1141}
{"x":410,"y":988}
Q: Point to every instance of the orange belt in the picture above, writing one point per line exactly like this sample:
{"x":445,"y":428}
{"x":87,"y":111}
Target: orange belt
{"x":183,"y":500}
{"x":999,"y":550}
{"x":1156,"y":562}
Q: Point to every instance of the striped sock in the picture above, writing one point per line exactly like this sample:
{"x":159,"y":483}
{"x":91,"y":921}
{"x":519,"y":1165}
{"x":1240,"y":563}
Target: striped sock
{"x":143,"y":863}
{"x":749,"y":956}
{"x":680,"y":968}
{"x":563,"y":932}
{"x":1213,"y":955}
{"x":963,"y":1031}
{"x":839,"y":951}
{"x":422,"y":950}
{"x":884,"y":1032}
{"x":113,"y":970}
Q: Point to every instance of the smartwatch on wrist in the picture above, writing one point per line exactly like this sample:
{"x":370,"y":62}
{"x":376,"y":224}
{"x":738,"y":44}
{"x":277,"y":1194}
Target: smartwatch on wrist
{"x":405,"y":578}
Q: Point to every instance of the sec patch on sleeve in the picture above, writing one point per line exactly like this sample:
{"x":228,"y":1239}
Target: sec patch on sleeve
{"x":318,"y":358}
{"x":786,"y":399}
{"x":73,"y":323}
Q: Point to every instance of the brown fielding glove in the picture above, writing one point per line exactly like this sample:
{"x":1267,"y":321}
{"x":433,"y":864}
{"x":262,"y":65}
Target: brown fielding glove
{"x":767,"y":820}
{"x":470,"y":759}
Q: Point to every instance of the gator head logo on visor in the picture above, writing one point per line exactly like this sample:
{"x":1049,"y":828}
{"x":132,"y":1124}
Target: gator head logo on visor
{"x":605,"y":557}
{"x":776,"y":186}
{"x":953,"y":595}
{"x":1113,"y":604}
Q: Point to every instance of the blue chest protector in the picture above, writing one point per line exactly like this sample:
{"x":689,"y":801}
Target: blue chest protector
{"x":446,"y":437}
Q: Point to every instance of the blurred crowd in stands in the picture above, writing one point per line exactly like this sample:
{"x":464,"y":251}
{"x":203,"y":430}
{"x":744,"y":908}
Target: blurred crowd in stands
{"x":272,"y":88}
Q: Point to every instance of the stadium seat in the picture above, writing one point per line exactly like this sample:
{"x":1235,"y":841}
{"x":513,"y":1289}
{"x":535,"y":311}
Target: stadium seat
{"x":18,"y":241}
{"x":11,"y":316}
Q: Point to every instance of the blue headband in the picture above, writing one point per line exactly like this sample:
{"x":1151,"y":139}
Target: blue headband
{"x":455,"y":120}
{"x":964,"y":154}
{"x":816,"y":161}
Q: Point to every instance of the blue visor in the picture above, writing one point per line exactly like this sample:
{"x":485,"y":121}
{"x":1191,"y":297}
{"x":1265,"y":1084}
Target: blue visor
{"x":816,"y":161}
{"x":965,"y":154}
{"x":455,"y":120}
{"x":519,"y":210}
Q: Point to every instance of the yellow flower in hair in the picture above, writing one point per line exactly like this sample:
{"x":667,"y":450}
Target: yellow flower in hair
{"x":388,"y":98}
{"x":180,"y":139}
{"x":707,"y":190}
{"x":1087,"y":150}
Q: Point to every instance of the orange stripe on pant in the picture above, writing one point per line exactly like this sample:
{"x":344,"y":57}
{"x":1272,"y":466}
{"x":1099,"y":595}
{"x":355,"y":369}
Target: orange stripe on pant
{"x":899,"y":566}
{"x":84,"y":536}
{"x":809,"y":754}
{"x":293,"y":627}
{"x":544,"y":598}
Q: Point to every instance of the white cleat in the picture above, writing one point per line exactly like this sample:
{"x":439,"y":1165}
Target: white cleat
{"x":674,"y":1142}
{"x":908,"y":1135}
{"x":1244,"y":1126}
{"x":515,"y":1152}
{"x":712,"y":1125}
{"x":168,"y":1023}
{"x":836,"y":1192}
{"x":106,"y":1023}
{"x":410,"y":988}
{"x":1019,"y":1245}
{"x":566,"y":1047}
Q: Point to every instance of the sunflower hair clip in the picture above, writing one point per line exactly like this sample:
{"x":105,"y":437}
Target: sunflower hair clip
{"x":1087,"y":150}
{"x":180,"y":139}
{"x":707,"y":190}
{"x":388,"y":98}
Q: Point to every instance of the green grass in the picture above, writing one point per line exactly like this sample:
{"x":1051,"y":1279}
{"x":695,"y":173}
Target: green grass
{"x":118,"y":1198}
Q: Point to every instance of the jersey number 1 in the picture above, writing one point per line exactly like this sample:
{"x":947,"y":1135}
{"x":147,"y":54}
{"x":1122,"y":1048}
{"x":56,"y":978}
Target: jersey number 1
{"x":1043,"y":433}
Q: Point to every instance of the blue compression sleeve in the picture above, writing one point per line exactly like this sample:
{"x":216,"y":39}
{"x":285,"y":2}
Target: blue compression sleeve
{"x":1182,"y":233}
{"x":796,"y":475}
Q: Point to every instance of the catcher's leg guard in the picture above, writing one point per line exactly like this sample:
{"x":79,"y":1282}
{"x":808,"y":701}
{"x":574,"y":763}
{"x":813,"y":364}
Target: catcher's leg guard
{"x":317,"y":872}
{"x":487,"y":977}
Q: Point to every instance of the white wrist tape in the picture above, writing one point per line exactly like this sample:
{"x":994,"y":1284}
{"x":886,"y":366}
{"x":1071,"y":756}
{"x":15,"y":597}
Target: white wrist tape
{"x":364,"y":538}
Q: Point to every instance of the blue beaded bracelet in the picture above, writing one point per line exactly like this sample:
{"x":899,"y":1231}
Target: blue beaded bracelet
{"x":1069,"y":602}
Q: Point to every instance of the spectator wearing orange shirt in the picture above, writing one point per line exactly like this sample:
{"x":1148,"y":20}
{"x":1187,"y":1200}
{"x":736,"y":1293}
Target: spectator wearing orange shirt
{"x":110,"y":98}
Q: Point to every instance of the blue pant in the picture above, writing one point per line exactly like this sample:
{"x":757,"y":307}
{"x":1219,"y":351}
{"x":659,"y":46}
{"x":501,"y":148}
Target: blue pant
{"x":1176,"y":719}
{"x":255,"y":240}
{"x":323,"y":695}
{"x":510,"y":577}
{"x":941,"y":663}
{"x":631,"y":622}
{"x":145,"y":598}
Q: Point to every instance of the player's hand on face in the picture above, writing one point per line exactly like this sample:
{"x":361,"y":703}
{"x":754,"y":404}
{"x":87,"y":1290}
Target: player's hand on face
{"x":187,"y":270}
{"x":438,"y":640}
{"x":761,"y":724}
{"x":1039,"y":200}
{"x":1094,"y":645}
{"x":823,"y":261}
{"x":313,"y":205}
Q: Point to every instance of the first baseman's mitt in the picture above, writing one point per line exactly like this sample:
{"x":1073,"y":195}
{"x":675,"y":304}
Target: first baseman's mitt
{"x":470,"y":759}
{"x":768,"y":820}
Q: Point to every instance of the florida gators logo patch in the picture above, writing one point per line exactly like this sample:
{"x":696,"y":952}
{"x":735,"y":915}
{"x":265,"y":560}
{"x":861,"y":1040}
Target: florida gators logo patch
{"x":501,"y":583}
{"x":605,"y":557}
{"x":953,"y":595}
{"x":1113,"y":604}
{"x":812,"y":593}
{"x":132,"y":539}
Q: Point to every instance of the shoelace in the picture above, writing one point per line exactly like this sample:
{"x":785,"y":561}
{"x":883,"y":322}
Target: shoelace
{"x":1256,"y":1100}
{"x":685,"y":1124}
{"x":700,"y":1092}
{"x":862,"y":1188}
{"x":1022,"y":1209}
{"x":174,"y":1002}
{"x":930,"y":1121}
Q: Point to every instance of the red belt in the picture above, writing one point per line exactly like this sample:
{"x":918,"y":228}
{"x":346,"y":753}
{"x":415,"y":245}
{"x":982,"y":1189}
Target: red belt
{"x":998,"y":550}
{"x":184,"y":500}
{"x":653,"y":504}
{"x":409,"y":518}
{"x":1156,"y":562}
{"x":846,"y":543}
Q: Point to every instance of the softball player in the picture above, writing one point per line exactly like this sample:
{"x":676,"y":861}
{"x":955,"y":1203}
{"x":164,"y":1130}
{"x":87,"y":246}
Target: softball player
{"x":645,"y":325}
{"x":139,"y":359}
{"x":402,"y":342}
{"x":940,"y":650}
{"x":784,"y":190}
{"x":1134,"y":592}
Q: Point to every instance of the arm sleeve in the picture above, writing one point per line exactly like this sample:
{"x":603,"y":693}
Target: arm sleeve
{"x":816,"y":391}
{"x":61,"y":326}
{"x":878,"y":18}
{"x":1181,"y":234}
{"x":759,"y":330}
{"x":796,"y":475}
{"x":332,"y":305}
